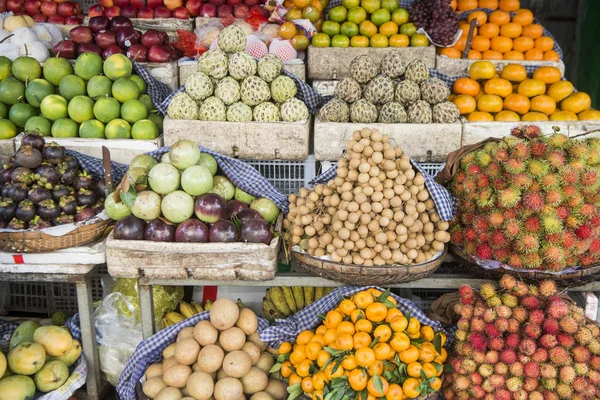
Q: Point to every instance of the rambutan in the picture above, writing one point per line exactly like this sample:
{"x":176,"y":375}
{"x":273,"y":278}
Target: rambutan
{"x":594,"y":346}
{"x":540,"y":355}
{"x":473,"y":169}
{"x":512,"y":228}
{"x":550,"y":326}
{"x":595,"y":363}
{"x":478,"y":356}
{"x":594,"y":377}
{"x":527,"y":347}
{"x":509,"y":197}
{"x":483,"y":181}
{"x":520,"y":314}
{"x":521,"y":180}
{"x":563,"y":212}
{"x":547,"y":288}
{"x":476,"y":378}
{"x":503,"y":311}
{"x":466,"y":311}
{"x":532,"y":224}
{"x":501,"y":254}
{"x":550,"y":182}
{"x":487,"y":290}
{"x":477,"y":392}
{"x":491,"y":357}
{"x":515,"y":261}
{"x":470,"y":234}
{"x":577,"y":149}
{"x":478,"y":341}
{"x":583,"y":336}
{"x":564,"y":391}
{"x":537,"y":168}
{"x":549,"y":384}
{"x":496,"y":343}
{"x":532,"y":132}
{"x":465,"y":291}
{"x":530,"y":303}
{"x":513,"y":325}
{"x":584,"y":232}
{"x":460,"y":335}
{"x":570,"y":190}
{"x":538,"y":148}
{"x":548,"y":371}
{"x":567,"y":374}
{"x":496,"y":218}
{"x":514,"y":384}
{"x":548,"y":341}
{"x":558,"y":308}
{"x":532,"y":331}
{"x":556,"y":158}
{"x":587,"y":210}
{"x":497,"y":381}
{"x":568,"y":325}
{"x":595,"y":329}
{"x":512,"y":341}
{"x":594,"y":246}
{"x":492,"y":331}
{"x":575,"y":201}
{"x":521,"y":289}
{"x":461,"y":382}
{"x":580,"y":384}
{"x":501,"y":368}
{"x":508,"y":356}
{"x":536,"y":317}
{"x":494,"y":302}
{"x":469,"y":365}
{"x":581,"y":354}
{"x":498,"y":240}
{"x":557,"y":140}
{"x":515,"y":368}
{"x":477,"y":325}
{"x":531,"y":370}
{"x":552,"y":223}
{"x":553,"y":253}
{"x":483,"y":252}
{"x":528,"y":243}
{"x":463,"y":324}
{"x":569,"y":175}
{"x":581,"y":368}
{"x":486,"y":370}
{"x":500,"y":154}
{"x":520,"y":151}
{"x":566,"y":341}
{"x":483,"y":158}
{"x":502,"y":394}
{"x":530,"y":384}
{"x":553,"y":197}
{"x":499,"y":184}
{"x":532,"y":261}
{"x":559,"y":356}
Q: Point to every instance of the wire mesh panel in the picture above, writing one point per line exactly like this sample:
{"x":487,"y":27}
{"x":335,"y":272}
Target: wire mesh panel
{"x":287,"y":176}
{"x":423,"y":298}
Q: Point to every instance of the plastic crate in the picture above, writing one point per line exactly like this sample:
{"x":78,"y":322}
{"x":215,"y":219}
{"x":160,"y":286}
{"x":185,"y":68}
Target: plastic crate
{"x":287,"y":176}
{"x":431,"y":168}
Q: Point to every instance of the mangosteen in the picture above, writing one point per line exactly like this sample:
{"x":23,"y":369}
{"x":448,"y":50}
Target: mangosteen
{"x":72,"y":162}
{"x":6,"y":175}
{"x":67,"y":176}
{"x":28,"y":157}
{"x":99,"y":206}
{"x":34,"y":140}
{"x":101,"y":188}
{"x":64,"y":219}
{"x":86,"y":197}
{"x":61,"y":190}
{"x":8,"y":208}
{"x":83,"y":181}
{"x":16,"y":224}
{"x":3,"y":224}
{"x":25,"y":211}
{"x":7,"y":190}
{"x":39,"y":194}
{"x":39,"y":223}
{"x":22,"y":175}
{"x":48,"y":209}
{"x":68,"y":204}
{"x":84,"y":213}
{"x":19,"y":193}
{"x":46,"y":173}
{"x":54,"y":153}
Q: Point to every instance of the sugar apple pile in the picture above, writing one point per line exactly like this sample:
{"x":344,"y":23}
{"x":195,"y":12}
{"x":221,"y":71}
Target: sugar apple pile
{"x":392,"y":92}
{"x":230,"y":85}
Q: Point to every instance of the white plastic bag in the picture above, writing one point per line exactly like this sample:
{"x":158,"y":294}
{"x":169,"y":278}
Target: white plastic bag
{"x":118,"y":335}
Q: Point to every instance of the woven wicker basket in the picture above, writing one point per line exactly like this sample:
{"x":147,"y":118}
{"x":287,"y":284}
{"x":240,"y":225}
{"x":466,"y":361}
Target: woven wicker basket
{"x":38,"y":241}
{"x":361,"y":275}
{"x":577,"y":278}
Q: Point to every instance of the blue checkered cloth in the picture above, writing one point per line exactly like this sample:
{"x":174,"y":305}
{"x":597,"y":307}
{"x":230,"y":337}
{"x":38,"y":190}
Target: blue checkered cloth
{"x":157,"y":90}
{"x":286,"y":330}
{"x":150,"y":351}
{"x":444,"y":201}
{"x":6,"y":330}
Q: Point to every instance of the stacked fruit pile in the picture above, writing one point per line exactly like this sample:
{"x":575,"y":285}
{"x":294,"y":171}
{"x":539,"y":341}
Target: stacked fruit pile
{"x":54,"y":12}
{"x":530,"y":201}
{"x":43,"y":187}
{"x":21,"y":36}
{"x":385,"y":98}
{"x":512,"y":96}
{"x":523,"y":342}
{"x":437,"y":18}
{"x":86,"y":101}
{"x":376,"y":211}
{"x":503,"y":5}
{"x":39,"y":359}
{"x":168,"y":199}
{"x":365,"y":348}
{"x":186,"y":310}
{"x":285,"y":301}
{"x":226,"y":86}
{"x":221,"y":358}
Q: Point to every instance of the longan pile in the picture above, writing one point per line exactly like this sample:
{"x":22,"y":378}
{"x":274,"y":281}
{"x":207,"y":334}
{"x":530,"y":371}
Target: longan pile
{"x":376,"y":211}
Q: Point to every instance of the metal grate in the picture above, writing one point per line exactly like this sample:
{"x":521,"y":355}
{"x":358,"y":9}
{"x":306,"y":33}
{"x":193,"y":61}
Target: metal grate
{"x":287,"y":176}
{"x":431,"y":168}
{"x":423,"y":298}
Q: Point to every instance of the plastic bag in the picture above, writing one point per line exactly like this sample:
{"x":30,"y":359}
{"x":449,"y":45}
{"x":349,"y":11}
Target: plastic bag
{"x":208,"y":33}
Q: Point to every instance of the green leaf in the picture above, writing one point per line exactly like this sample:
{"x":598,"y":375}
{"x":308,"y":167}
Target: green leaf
{"x":378,"y":383}
{"x":397,"y":360}
{"x":448,"y":368}
{"x":389,"y":376}
{"x":283,"y":357}
{"x":364,"y":394}
{"x":294,"y":387}
{"x":423,"y":376}
{"x":336,"y":366}
{"x":388,"y":304}
{"x":141,"y":180}
{"x":329,"y":396}
{"x":313,"y":369}
{"x":275,"y":368}
{"x":334,"y":352}
{"x":374,"y":342}
{"x":388,"y":364}
{"x":438,"y":366}
{"x":323,"y":317}
{"x":383,"y":296}
{"x":437,"y":343}
{"x":128,"y":197}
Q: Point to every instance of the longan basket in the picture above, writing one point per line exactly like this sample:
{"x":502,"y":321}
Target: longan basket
{"x":578,"y":277}
{"x":363,"y":275}
{"x":30,"y":241}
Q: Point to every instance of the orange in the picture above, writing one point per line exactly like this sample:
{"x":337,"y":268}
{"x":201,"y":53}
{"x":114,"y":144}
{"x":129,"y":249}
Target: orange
{"x":548,"y":75}
{"x":330,"y":373}
{"x":361,"y":339}
{"x":344,"y":342}
{"x":534,"y":116}
{"x":414,"y":369}
{"x":330,"y":336}
{"x":491,"y":4}
{"x":345,"y":327}
{"x":461,"y":43}
{"x":383,"y":351}
{"x":489,"y":30}
{"x":551,"y":55}
{"x":303,"y":369}
{"x":523,"y":17}
{"x":284,"y":348}
{"x":436,"y":384}
{"x":532,"y":87}
{"x":534,"y":55}
{"x":363,"y":299}
{"x":427,"y":333}
{"x":323,"y":357}
{"x":365,"y":357}
{"x":312,"y":351}
{"x":489,"y":103}
{"x":307,"y":385}
{"x":349,"y":363}
{"x":347,"y":306}
{"x":357,"y":315}
{"x":466,"y":5}
{"x":474,"y":55}
{"x":465,"y":103}
{"x":479,"y":116}
{"x":333,"y":319}
{"x":388,"y":29}
{"x":409,"y":355}
{"x":453,"y":5}
{"x":589,"y":115}
{"x":507,"y":116}
{"x":544,"y":104}
{"x":286,"y":369}
{"x":464,"y":27}
{"x":410,"y":387}
{"x":480,"y":16}
{"x":304,"y":337}
{"x":449,"y":52}
{"x":367,"y":28}
{"x":376,"y":368}
{"x":442,"y":357}
{"x":318,"y":380}
{"x":394,"y":392}
{"x":511,"y":30}
{"x":492,"y":55}
{"x":576,"y":103}
{"x":376,"y":312}
{"x":399,"y":324}
{"x":400,"y":342}
{"x":427,"y":352}
{"x":466,"y":86}
{"x":317,"y":395}
{"x":499,"y":17}
{"x":498,"y":86}
{"x":375,"y":390}
{"x":321,"y":330}
{"x":363,"y":41}
{"x":392,"y":313}
{"x":544,"y":43}
{"x":294,"y":378}
{"x":560,"y":90}
{"x":383,"y":332}
{"x":317,"y":339}
{"x":501,"y":44}
{"x":517,"y":103}
{"x":358,"y":379}
{"x":533,"y":31}
{"x":363,"y":325}
{"x":297,"y":357}
{"x":378,"y":40}
{"x":563,"y":116}
{"x":509,"y":5}
{"x":514,"y":55}
{"x":287,"y":30}
{"x":480,"y":43}
{"x":523,"y":44}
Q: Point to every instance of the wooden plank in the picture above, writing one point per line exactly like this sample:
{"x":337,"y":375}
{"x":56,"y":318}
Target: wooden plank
{"x":167,"y":73}
{"x":460,"y":67}
{"x":58,"y":268}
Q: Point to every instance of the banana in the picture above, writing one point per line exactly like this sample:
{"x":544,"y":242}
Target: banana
{"x":166,"y":323}
{"x":269,"y":310}
{"x":240,"y":303}
{"x":207,"y":305}
{"x":288,"y":295}
{"x":298,"y":297}
{"x":197,"y":307}
{"x":309,"y":295}
{"x":279,"y":301}
{"x":328,"y":290}
{"x":186,"y":309}
{"x":174,"y":317}
{"x":319,"y":292}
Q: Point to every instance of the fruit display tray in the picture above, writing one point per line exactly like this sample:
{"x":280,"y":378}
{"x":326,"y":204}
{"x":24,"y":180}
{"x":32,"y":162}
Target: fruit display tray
{"x":246,"y":140}
{"x":424,"y":142}
{"x":7,"y":148}
{"x":460,"y":67}
{"x":325,"y":63}
{"x":188,"y":67}
{"x":207,"y":261}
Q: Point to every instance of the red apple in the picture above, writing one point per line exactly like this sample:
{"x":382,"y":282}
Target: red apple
{"x":89,"y":48}
{"x":193,"y":7}
{"x":96,"y":11}
{"x":39,"y":18}
{"x":82,"y":34}
{"x":127,"y":37}
{"x":121,"y":3}
{"x":105,"y":39}
{"x":234,"y":3}
{"x":260,"y":9}
{"x":138,"y":52}
{"x":32,"y":7}
{"x":129,"y":12}
{"x":109,"y":51}
{"x":175,"y":55}
{"x":138,"y":3}
{"x":159,"y":54}
{"x":154,"y":3}
{"x":241,"y":11}
{"x":173,"y":4}
{"x":208,"y":10}
{"x":2,"y":5}
{"x":145,"y":12}
{"x":120,"y":23}
{"x":162,"y":12}
{"x":67,"y":9}
{"x":99,"y":24}
{"x":152,"y":37}
{"x":106,"y":3}
{"x":65,"y":49}
{"x":225,"y":11}
{"x":252,"y":3}
{"x":218,"y":2}
{"x":181,"y":13}
{"x":48,"y":8}
{"x":112,"y":12}
{"x":16,"y":6}
{"x":56,"y":19}
{"x":73,"y":20}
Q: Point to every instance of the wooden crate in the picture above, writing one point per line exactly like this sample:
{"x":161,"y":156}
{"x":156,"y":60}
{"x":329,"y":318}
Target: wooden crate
{"x":7,"y":148}
{"x":121,"y":150}
{"x":167,"y":73}
{"x":423,"y":142}
{"x":247,"y":140}
{"x":474,"y":132}
{"x":460,"y":67}
{"x":327,"y":63}
{"x":188,"y":67}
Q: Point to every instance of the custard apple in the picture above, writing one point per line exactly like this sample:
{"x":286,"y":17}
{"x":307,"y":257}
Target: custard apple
{"x":335,"y":110}
{"x":212,"y":109}
{"x":380,"y":90}
{"x":283,"y":88}
{"x":228,"y":90}
{"x":362,"y":111}
{"x":182,"y":106}
{"x":348,"y":90}
{"x":392,"y":113}
{"x":445,"y":112}
{"x":363,"y":69}
{"x":213,"y":63}
{"x":417,"y":71}
{"x":255,"y":91}
{"x":393,"y":65}
{"x":407,"y":92}
{"x":294,"y":110}
{"x":199,"y":86}
{"x":434,"y":90}
{"x":241,"y":65}
{"x":239,"y":112}
{"x":266,"y":112}
{"x":420,"y":112}
{"x":270,"y":67}
{"x":232,"y":39}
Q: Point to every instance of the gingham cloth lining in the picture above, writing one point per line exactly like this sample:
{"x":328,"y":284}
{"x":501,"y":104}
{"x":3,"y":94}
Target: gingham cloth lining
{"x":150,"y":351}
{"x":286,"y":330}
{"x":157,"y":90}
{"x":445,"y":203}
